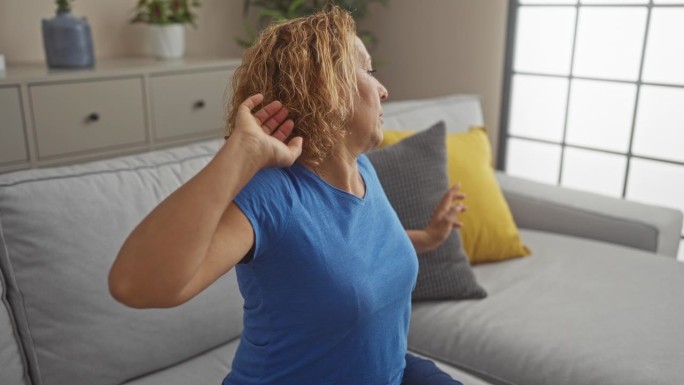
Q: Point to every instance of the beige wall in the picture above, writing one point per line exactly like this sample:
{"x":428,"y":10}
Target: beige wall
{"x":428,"y":48}
{"x":21,"y":41}
{"x":437,"y":47}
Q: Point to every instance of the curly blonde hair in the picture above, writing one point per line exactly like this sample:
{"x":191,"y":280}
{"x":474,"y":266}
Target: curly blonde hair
{"x":308,"y":64}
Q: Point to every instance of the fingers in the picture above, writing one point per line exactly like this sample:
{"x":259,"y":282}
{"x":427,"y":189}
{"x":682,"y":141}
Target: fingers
{"x":284,"y":130}
{"x":450,"y":196}
{"x":446,"y":201}
{"x":295,"y":145}
{"x":275,"y":120}
{"x":451,"y":215}
{"x":252,"y":101}
{"x":272,"y":117}
{"x":267,"y":111}
{"x":455,"y":189}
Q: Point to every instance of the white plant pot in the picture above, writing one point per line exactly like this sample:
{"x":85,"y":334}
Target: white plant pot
{"x":167,"y":41}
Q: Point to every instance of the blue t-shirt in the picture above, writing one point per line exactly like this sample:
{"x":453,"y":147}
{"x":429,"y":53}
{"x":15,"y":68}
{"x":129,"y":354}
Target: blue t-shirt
{"x":328,"y":291}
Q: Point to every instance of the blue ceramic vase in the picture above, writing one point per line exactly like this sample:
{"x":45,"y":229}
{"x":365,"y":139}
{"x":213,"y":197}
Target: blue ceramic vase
{"x":68,"y":42}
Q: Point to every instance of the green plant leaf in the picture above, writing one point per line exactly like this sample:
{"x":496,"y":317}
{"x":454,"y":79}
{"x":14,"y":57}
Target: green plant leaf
{"x":292,"y":9}
{"x":166,"y":11}
{"x":272,"y":13}
{"x":279,"y":10}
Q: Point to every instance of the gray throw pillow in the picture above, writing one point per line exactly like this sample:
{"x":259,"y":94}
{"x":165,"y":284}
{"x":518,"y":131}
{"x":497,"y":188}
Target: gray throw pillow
{"x":413,"y":173}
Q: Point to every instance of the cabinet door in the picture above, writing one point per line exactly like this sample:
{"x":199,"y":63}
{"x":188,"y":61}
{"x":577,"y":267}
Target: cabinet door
{"x":190,"y":104}
{"x":12,"y":135}
{"x":73,"y":118}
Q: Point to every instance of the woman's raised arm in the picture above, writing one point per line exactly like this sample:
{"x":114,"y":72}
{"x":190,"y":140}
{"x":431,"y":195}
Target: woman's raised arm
{"x":197,"y":233}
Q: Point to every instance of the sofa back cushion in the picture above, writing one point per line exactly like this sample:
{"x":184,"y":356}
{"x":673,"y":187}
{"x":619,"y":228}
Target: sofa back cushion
{"x":61,"y":230}
{"x":13,"y":369}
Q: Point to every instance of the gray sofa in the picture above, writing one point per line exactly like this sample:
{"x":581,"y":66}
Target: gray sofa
{"x":600,"y":301}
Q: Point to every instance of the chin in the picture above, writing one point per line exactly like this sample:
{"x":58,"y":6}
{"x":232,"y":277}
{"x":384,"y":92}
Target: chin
{"x":380,"y":136}
{"x":375,"y":139}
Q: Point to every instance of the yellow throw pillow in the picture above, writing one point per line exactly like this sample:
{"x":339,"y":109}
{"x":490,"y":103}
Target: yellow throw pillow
{"x":489,"y":232}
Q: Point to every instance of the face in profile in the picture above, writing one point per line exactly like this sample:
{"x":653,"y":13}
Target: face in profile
{"x":365,"y":125}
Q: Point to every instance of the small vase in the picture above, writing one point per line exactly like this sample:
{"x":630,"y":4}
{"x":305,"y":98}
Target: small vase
{"x":68,"y":42}
{"x":168,"y":41}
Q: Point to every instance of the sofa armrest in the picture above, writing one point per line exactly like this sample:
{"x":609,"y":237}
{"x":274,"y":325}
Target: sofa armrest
{"x":562,"y":210}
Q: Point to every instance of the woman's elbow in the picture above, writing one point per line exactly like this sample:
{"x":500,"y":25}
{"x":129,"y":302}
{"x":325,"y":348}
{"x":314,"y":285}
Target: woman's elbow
{"x":122,"y":293}
{"x":129,"y":295}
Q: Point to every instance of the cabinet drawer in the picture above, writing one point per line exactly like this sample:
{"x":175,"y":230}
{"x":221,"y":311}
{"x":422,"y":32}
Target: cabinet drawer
{"x":191,"y":103}
{"x":12,"y":137}
{"x":71,"y":118}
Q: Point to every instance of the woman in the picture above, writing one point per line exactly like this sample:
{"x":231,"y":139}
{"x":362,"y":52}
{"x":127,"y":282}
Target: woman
{"x":324,"y":266}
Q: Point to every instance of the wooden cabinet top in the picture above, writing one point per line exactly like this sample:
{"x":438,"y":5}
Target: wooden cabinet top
{"x":39,"y":72}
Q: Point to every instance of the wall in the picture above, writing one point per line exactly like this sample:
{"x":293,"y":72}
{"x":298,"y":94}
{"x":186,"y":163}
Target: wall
{"x":21,"y":41}
{"x":427,"y":48}
{"x":437,"y":47}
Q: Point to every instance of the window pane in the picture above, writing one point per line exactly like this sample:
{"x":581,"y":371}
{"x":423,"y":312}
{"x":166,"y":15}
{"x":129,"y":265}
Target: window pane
{"x":659,"y":127}
{"x":614,"y":1}
{"x":669,"y":1}
{"x":656,"y":182}
{"x":664,"y":60}
{"x":609,"y":42}
{"x":544,"y":39}
{"x":600,"y":114}
{"x":538,"y":107}
{"x":533,"y":160}
{"x":594,"y":171}
{"x":680,"y":254}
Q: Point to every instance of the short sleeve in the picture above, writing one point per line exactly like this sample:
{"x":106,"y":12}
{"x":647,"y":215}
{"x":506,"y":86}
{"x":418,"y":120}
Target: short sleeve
{"x":267,"y":202}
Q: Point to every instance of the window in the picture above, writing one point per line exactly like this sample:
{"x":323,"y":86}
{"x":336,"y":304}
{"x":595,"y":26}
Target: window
{"x":594,"y":97}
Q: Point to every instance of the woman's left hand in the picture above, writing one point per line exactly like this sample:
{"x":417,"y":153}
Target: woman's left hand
{"x":443,"y":220}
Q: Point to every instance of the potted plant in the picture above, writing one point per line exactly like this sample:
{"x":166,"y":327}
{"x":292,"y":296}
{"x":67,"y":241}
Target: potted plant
{"x":166,"y":20}
{"x":67,"y":39}
{"x":280,"y":10}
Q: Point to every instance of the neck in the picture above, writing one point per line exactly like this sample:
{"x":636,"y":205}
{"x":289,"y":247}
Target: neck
{"x":341,"y":171}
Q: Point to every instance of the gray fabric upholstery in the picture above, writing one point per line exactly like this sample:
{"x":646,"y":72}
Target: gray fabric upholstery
{"x":13,"y":370}
{"x":61,"y":230}
{"x":208,"y":368}
{"x":577,"y":311}
{"x":465,"y":377}
{"x":565,"y":211}
{"x":458,"y":112}
{"x":212,"y":366}
{"x":414,"y":176}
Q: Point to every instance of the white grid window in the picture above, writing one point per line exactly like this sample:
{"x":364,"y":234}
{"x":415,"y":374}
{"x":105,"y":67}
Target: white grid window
{"x":593,"y":100}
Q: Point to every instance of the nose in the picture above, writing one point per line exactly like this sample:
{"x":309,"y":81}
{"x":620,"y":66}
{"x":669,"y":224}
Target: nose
{"x":383,"y":92}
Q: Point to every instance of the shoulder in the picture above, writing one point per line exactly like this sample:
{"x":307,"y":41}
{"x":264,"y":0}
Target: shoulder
{"x":268,"y":203}
{"x":269,"y":189}
{"x":272,"y":179}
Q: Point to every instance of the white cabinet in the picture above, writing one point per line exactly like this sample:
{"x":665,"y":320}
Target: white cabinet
{"x":90,"y":115}
{"x":186,"y":104}
{"x":50,"y":117}
{"x":13,"y":149}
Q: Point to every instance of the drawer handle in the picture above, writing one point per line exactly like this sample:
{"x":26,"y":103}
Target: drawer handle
{"x":94,"y":117}
{"x":199,"y":104}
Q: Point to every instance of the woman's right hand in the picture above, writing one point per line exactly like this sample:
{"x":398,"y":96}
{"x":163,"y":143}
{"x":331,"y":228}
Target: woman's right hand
{"x":263,"y":133}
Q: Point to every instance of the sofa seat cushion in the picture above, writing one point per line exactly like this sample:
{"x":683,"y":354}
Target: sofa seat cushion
{"x":213,"y":366}
{"x":575,"y":312}
{"x":210,"y":367}
{"x":61,"y":230}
